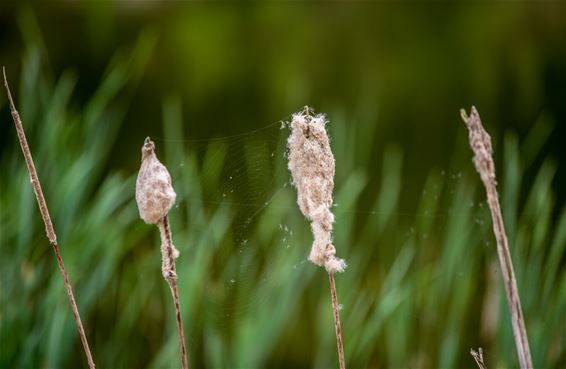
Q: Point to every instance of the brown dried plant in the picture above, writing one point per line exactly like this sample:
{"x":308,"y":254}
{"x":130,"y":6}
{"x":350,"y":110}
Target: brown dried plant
{"x":34,"y":179}
{"x":478,"y":357}
{"x":480,"y":143}
{"x":155,"y":197}
{"x":312,"y":167}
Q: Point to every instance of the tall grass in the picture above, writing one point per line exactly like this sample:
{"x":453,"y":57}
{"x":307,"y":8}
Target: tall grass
{"x":71,"y":149}
{"x":416,"y":293}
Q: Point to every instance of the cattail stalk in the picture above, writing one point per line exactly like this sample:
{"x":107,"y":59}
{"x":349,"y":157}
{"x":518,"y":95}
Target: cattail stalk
{"x":155,"y":197}
{"x":337,"y":326}
{"x":171,"y":277}
{"x":47,"y":220}
{"x":480,"y":143}
{"x":312,"y":167}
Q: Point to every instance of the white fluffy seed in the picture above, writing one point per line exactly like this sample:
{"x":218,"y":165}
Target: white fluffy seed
{"x":312,"y":167}
{"x":154,"y":192}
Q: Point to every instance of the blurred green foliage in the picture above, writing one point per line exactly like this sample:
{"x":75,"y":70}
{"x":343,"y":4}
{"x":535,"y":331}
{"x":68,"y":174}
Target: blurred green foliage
{"x":423,"y":285}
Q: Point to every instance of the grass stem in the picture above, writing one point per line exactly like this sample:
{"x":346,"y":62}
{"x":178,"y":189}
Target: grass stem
{"x":171,"y":279}
{"x":47,"y":220}
{"x":337,"y":325}
{"x":480,"y":143}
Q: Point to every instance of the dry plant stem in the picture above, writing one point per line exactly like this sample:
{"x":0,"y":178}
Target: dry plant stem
{"x":171,"y":278}
{"x":47,"y":220}
{"x":155,"y":196}
{"x":337,"y":325}
{"x":478,"y":357}
{"x":481,"y":145}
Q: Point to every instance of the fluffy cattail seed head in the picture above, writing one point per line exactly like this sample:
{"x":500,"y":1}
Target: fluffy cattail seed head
{"x":312,"y":167}
{"x":154,"y":192}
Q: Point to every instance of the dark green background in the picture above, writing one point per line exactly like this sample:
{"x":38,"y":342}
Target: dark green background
{"x":93,"y":79}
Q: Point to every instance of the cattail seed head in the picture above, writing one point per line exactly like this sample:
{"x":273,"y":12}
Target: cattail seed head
{"x":154,"y":192}
{"x":312,"y":167}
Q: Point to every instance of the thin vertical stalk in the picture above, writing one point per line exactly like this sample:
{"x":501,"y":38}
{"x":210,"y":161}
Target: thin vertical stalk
{"x":480,"y":143}
{"x":171,"y":279}
{"x":337,"y":325}
{"x":47,"y":220}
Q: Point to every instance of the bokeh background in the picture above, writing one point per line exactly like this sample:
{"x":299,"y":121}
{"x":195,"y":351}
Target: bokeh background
{"x":212,"y":84}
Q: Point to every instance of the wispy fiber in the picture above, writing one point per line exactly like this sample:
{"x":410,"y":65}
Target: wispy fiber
{"x":480,"y":143}
{"x":47,"y":220}
{"x":312,"y":167}
{"x":155,"y":196}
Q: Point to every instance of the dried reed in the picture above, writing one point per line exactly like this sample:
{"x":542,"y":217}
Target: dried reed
{"x":480,"y":143}
{"x":478,"y":357}
{"x":155,"y":197}
{"x":312,"y":167}
{"x":47,"y":219}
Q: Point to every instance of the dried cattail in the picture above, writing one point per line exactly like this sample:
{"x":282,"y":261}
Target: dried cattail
{"x":155,"y":197}
{"x":154,"y":192}
{"x":480,"y":142}
{"x":312,"y":167}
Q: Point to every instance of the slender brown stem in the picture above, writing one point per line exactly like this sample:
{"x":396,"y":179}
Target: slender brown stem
{"x":481,"y":145}
{"x":478,"y":357}
{"x":47,"y":219}
{"x":171,"y":278}
{"x":182,"y":346}
{"x":336,"y":310}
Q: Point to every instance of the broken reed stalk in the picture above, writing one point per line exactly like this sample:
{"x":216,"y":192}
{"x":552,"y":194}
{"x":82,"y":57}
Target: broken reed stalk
{"x":480,"y":143}
{"x":478,"y":357}
{"x":47,"y":219}
{"x":155,"y":196}
{"x":312,"y":167}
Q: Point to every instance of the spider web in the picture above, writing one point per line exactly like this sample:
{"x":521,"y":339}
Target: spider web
{"x":248,"y":174}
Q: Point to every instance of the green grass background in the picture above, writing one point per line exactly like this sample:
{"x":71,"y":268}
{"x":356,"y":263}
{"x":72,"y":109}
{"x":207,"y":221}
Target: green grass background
{"x":211,"y":83}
